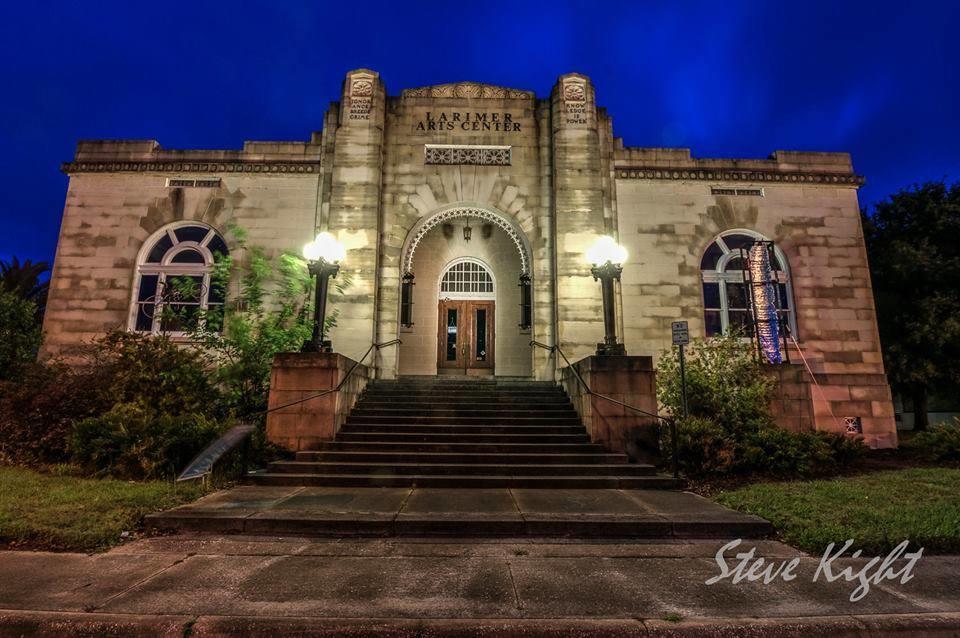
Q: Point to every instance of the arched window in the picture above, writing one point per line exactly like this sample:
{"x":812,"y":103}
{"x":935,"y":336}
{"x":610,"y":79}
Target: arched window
{"x":173,"y":283}
{"x":725,"y":301}
{"x":467,"y":279}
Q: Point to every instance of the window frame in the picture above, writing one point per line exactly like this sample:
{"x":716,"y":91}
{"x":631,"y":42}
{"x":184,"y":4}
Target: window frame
{"x":166,"y":268}
{"x":723,"y":278}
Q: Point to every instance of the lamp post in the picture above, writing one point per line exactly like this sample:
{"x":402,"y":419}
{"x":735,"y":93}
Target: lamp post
{"x":607,"y":258}
{"x":323,"y":256}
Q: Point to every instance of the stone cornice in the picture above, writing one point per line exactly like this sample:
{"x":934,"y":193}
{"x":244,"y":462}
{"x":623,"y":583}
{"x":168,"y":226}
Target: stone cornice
{"x":268,"y":167}
{"x":739,"y":175}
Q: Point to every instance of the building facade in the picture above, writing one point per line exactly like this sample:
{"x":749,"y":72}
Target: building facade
{"x":466,"y":210}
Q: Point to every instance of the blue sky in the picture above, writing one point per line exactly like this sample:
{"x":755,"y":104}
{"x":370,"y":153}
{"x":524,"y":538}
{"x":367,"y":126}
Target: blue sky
{"x":727,"y":79}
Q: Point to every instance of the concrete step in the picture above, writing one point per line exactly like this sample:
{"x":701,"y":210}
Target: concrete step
{"x":466,"y":481}
{"x":467,"y":420}
{"x":397,"y":428}
{"x":469,"y":448}
{"x":385,"y":435}
{"x":462,"y":469}
{"x":441,"y":402}
{"x":463,"y":394}
{"x":332,"y":456}
{"x":431,"y":410}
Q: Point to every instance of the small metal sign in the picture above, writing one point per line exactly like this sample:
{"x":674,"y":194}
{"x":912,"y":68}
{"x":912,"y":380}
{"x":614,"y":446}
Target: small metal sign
{"x":681,"y":334}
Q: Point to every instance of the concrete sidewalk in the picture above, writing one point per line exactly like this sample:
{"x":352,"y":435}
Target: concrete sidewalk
{"x":243,"y":585}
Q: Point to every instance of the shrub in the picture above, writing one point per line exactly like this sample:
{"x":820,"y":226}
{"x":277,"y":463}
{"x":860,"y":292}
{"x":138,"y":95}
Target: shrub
{"x":729,"y":428}
{"x":38,"y":411}
{"x":19,"y":334}
{"x":939,"y":443}
{"x":725,"y":383}
{"x":133,"y":442}
{"x":703,"y":447}
{"x":778,"y":452}
{"x":155,"y":372}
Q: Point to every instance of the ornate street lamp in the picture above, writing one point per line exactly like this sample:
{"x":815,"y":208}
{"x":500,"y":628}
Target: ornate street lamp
{"x":323,"y":256}
{"x":607,"y":258}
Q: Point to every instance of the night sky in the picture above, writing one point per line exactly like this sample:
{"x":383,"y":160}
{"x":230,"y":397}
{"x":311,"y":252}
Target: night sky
{"x":727,"y":79}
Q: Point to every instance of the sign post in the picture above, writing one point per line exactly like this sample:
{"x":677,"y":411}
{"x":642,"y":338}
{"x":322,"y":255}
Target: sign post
{"x":681,"y":337}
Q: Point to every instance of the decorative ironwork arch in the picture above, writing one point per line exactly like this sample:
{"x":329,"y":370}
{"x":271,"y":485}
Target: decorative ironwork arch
{"x":425,"y":225}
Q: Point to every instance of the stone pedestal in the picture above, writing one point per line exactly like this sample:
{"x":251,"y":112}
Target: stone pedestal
{"x":298,"y":375}
{"x":629,"y":379}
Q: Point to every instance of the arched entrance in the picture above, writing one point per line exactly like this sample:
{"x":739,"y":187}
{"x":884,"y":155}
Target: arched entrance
{"x":466,"y":301}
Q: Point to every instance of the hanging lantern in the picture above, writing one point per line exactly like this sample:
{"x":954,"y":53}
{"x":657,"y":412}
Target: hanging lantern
{"x":467,"y":231}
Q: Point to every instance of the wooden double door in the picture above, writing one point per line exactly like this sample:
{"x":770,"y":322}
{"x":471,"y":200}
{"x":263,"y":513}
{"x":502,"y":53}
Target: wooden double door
{"x":465,"y":339}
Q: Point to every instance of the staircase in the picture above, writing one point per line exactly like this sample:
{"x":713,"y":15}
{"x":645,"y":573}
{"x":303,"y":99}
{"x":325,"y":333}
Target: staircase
{"x":463,"y":433}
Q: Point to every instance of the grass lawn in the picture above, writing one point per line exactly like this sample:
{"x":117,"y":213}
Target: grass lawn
{"x":41,"y":511}
{"x":877,"y":510}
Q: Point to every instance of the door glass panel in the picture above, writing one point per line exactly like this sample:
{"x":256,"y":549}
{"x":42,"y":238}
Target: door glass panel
{"x":451,"y":334}
{"x":481,"y":327}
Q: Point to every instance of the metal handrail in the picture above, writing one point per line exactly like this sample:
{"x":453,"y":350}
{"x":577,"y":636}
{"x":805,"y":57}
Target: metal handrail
{"x":356,"y":363}
{"x":672,"y":423}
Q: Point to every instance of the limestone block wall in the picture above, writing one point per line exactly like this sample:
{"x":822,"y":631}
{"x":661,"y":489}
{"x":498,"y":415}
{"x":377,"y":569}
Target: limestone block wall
{"x":512,"y":352}
{"x":666,"y":224}
{"x":112,"y":209}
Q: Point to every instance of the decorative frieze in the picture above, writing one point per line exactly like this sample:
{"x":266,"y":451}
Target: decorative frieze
{"x":191,"y":167}
{"x":470,"y":155}
{"x":739,"y":176}
{"x":468,"y":90}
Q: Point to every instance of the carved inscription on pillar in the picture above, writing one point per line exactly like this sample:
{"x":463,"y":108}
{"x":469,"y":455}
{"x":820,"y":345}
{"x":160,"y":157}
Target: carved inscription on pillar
{"x":361,"y":98}
{"x":575,"y":101}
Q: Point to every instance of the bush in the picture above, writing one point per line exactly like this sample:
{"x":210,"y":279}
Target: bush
{"x":38,"y":412}
{"x":132,"y":442}
{"x":939,"y":443}
{"x":725,"y":383}
{"x":19,"y":334}
{"x":703,"y":447}
{"x":154,"y":372}
{"x":729,"y":428}
{"x":777,"y":452}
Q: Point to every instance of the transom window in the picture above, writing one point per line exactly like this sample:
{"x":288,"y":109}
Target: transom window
{"x":726,"y":303}
{"x":467,"y":279}
{"x":173,"y":286}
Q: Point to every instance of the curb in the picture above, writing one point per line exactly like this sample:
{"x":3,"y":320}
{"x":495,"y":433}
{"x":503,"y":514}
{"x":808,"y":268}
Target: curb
{"x":16,"y":623}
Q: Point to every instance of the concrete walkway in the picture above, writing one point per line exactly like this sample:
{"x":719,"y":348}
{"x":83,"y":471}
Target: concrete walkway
{"x":241,"y":585}
{"x":473,"y":512}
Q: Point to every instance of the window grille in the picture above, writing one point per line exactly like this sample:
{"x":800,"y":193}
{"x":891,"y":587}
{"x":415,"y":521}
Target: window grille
{"x":467,"y":277}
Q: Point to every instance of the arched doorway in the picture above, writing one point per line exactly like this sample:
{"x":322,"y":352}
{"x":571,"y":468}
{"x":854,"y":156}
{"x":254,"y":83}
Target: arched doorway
{"x":466,"y":296}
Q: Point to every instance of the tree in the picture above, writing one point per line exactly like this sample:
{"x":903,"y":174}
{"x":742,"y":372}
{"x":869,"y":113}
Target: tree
{"x":23,"y":280}
{"x":913,"y":242}
{"x":269,"y":312}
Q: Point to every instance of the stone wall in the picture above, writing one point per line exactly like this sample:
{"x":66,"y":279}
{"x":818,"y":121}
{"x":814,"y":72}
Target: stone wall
{"x":667,"y":223}
{"x":630,"y":380}
{"x":300,"y":418}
